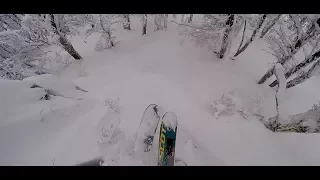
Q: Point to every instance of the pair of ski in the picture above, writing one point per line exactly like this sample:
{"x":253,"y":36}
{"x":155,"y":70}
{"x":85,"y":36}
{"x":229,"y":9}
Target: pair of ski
{"x":154,"y":138}
{"x":152,"y":141}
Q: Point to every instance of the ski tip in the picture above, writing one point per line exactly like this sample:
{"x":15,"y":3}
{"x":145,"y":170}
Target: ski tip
{"x":170,"y":120}
{"x":150,"y":106}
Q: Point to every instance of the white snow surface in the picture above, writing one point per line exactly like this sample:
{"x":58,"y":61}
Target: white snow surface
{"x":154,"y":69}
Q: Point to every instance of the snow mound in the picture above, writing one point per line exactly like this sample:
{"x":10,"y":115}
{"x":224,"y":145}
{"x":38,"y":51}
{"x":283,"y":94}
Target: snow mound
{"x":191,"y":152}
{"x":30,"y":122}
{"x":16,"y":95}
{"x":58,"y":85}
{"x":15,"y":92}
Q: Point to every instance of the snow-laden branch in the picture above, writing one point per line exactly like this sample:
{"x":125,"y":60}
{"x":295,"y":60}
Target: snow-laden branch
{"x":312,"y":30}
{"x":253,"y":35}
{"x":304,"y":76}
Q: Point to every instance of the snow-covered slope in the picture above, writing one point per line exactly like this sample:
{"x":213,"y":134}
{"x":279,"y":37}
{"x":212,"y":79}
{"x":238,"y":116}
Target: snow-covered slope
{"x":152,"y":69}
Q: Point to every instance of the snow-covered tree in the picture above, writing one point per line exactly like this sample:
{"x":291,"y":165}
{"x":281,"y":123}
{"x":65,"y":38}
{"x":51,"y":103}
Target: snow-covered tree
{"x":126,"y":22}
{"x":271,"y":21}
{"x":306,"y":74}
{"x":289,"y":38}
{"x":190,"y":18}
{"x":144,"y":24}
{"x":218,"y":30}
{"x":312,"y":57}
{"x":23,"y":51}
{"x":182,"y":18}
{"x":75,"y":21}
{"x":244,"y":23}
{"x":26,"y":46}
{"x":165,"y":21}
{"x":10,"y":22}
{"x":207,"y":31}
{"x":102,"y":23}
{"x":257,"y":26}
{"x":61,"y":28}
{"x":158,"y":22}
{"x":225,"y":37}
{"x":275,"y":123}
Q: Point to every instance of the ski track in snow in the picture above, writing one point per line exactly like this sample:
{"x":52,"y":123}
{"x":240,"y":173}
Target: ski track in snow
{"x":153,"y":69}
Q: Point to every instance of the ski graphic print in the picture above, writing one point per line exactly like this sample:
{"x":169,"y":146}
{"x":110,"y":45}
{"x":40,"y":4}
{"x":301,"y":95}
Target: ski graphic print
{"x":167,"y":139}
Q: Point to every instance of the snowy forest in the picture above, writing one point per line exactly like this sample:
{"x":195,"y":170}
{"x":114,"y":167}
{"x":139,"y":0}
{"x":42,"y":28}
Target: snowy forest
{"x":77,"y":85}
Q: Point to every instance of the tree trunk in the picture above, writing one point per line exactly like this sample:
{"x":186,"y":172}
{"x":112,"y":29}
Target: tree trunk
{"x":64,"y":41}
{"x":304,"y":63}
{"x":182,"y":17}
{"x":69,"y":48}
{"x":126,"y":24}
{"x":254,"y":33}
{"x":144,"y":24}
{"x":53,"y":24}
{"x":274,"y":83}
{"x":158,"y":18}
{"x":165,"y":21}
{"x":297,"y":26}
{"x":295,"y":48}
{"x":190,"y":18}
{"x":266,"y":29}
{"x":226,"y":33}
{"x":107,"y":32}
{"x":269,"y":73}
{"x":303,"y":77}
{"x":109,"y":38}
{"x":243,"y":33}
